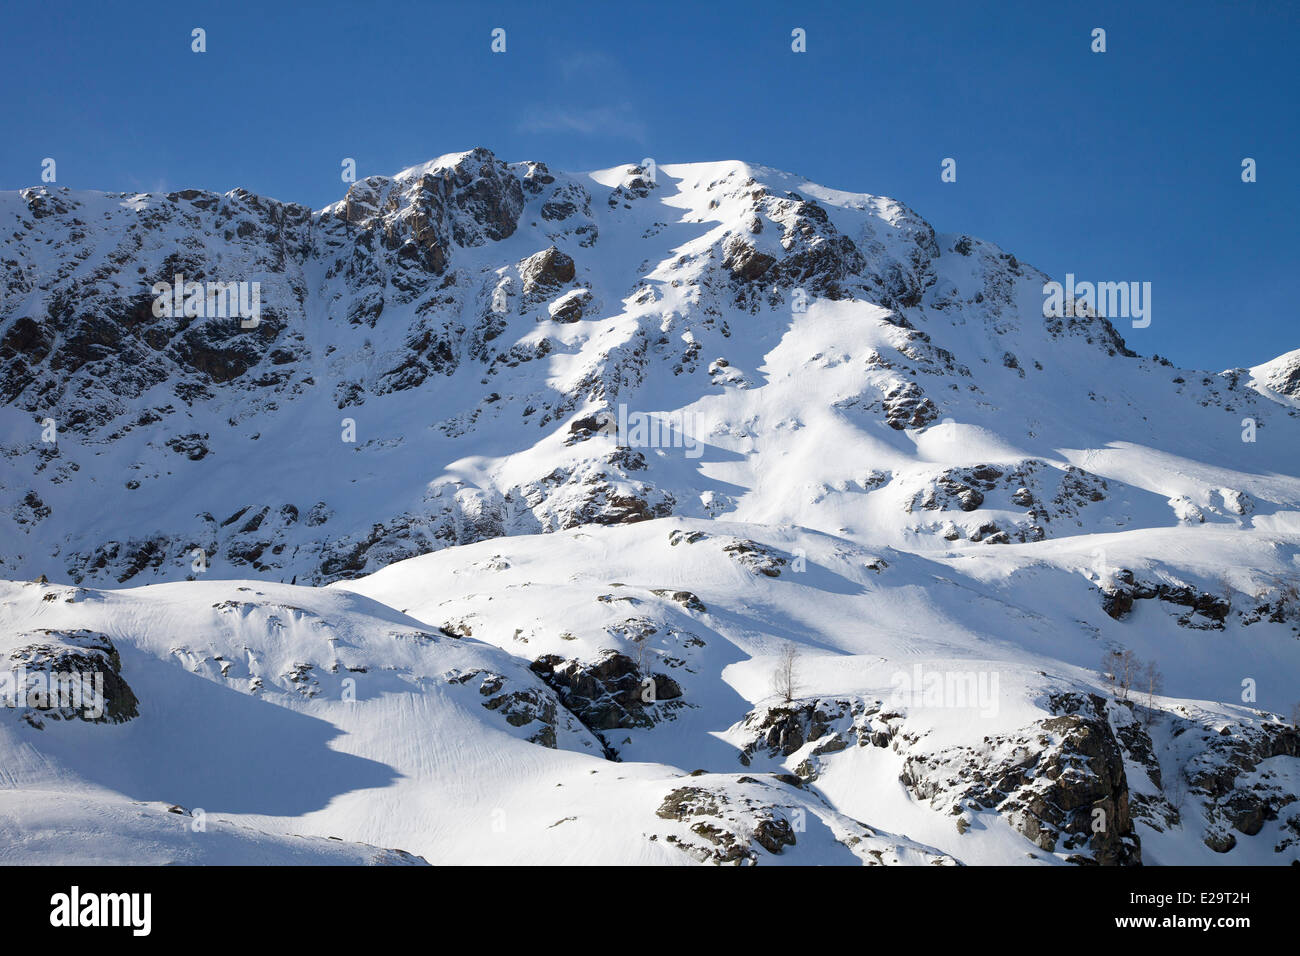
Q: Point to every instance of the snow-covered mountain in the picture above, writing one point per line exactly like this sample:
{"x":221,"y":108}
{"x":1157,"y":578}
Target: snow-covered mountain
{"x":531,"y":636}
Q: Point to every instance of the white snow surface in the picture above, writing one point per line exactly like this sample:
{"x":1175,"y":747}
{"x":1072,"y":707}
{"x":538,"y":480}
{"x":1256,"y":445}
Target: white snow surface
{"x":361,"y":721}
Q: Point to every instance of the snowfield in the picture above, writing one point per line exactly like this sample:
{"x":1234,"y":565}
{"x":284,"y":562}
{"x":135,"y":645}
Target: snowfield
{"x":374,"y":583}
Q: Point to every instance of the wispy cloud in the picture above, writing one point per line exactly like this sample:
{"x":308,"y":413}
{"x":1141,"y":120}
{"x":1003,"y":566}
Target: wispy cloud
{"x":611,"y":121}
{"x":591,"y":64}
{"x":597,"y":100}
{"x":159,"y":185}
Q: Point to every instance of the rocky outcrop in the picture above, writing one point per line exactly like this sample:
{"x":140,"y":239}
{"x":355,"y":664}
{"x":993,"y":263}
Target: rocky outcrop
{"x":610,"y":693}
{"x":742,"y":821}
{"x":1062,"y":784}
{"x":726,"y":832}
{"x":1282,"y":374}
{"x":1238,"y":794}
{"x":755,"y":557}
{"x":546,"y":271}
{"x":809,"y":732}
{"x":833,"y":724}
{"x":65,"y":675}
{"x":810,"y":254}
{"x":906,"y":406}
{"x":531,"y":708}
{"x":1202,"y":610}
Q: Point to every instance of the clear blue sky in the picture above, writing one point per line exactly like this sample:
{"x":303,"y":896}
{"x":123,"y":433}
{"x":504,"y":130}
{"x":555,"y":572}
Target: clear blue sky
{"x":1116,"y":166}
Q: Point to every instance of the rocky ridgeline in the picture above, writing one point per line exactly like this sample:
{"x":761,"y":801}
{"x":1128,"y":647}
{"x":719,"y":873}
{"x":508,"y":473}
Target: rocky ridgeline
{"x":1282,"y":374}
{"x":430,"y":307}
{"x":1074,"y":784}
{"x":1195,"y":608}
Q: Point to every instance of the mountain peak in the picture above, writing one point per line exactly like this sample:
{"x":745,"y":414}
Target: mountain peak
{"x":473,"y":318}
{"x":541,"y":471}
{"x":1280,"y":375}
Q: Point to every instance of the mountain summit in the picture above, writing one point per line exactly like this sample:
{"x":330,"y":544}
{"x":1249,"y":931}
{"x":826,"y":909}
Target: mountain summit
{"x":559,"y":468}
{"x":433,"y":353}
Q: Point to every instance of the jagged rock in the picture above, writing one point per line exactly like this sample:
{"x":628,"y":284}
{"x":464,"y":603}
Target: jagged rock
{"x":609,"y":693}
{"x":521,"y":707}
{"x":744,"y":262}
{"x":546,"y":270}
{"x":756,"y":557}
{"x":388,"y":271}
{"x":1118,"y":598}
{"x":728,"y":830}
{"x":1051,"y":782}
{"x":815,"y":729}
{"x":569,"y":307}
{"x":784,"y":729}
{"x":907,"y":407}
{"x":1224,"y":773}
{"x":67,"y":675}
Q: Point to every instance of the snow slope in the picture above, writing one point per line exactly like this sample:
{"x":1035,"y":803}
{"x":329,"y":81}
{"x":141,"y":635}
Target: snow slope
{"x":529,"y":640}
{"x":447,"y":747}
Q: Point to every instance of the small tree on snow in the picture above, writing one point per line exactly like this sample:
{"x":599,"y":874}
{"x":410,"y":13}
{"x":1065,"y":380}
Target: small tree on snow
{"x":1286,"y":589}
{"x":641,"y":654}
{"x":1152,"y":682}
{"x":1226,"y":589}
{"x":1123,"y":671}
{"x":785,"y":679}
{"x":1120,"y":671}
{"x":1289,"y":596}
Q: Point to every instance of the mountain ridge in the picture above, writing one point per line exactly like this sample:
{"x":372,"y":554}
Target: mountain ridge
{"x":605,"y":297}
{"x":491,"y":535}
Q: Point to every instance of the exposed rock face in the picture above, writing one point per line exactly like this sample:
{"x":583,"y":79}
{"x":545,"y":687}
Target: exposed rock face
{"x":1238,"y":794}
{"x":742,"y":821}
{"x":756,"y":557}
{"x":1062,"y":784}
{"x":1203,"y":610}
{"x":528,"y":707}
{"x":469,"y":202}
{"x":744,"y":262}
{"x":956,"y":488}
{"x":725,"y":832}
{"x":546,"y":271}
{"x":1282,"y":374}
{"x":831,"y":723}
{"x":65,"y":675}
{"x":1043,"y":500}
{"x":569,"y":307}
{"x":809,"y":732}
{"x":610,"y":693}
{"x":907,"y":407}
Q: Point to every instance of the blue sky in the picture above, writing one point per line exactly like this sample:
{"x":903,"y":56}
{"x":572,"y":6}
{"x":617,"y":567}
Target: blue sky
{"x":1124,"y":165}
